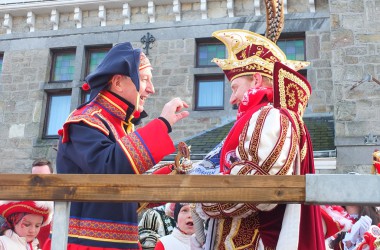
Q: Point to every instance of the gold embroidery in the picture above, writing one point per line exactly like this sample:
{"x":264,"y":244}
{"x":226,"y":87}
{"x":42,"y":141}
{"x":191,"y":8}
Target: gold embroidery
{"x":298,"y":122}
{"x":27,"y":207}
{"x":255,"y":139}
{"x":275,"y":154}
{"x":243,"y":154}
{"x":248,"y":48}
{"x":245,"y":234}
{"x":224,"y":227}
{"x":295,"y":92}
{"x":293,"y":149}
{"x":303,"y":151}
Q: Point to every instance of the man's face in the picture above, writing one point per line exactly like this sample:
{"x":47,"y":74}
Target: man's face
{"x":239,"y":86}
{"x":29,"y":226}
{"x":44,"y":169}
{"x":129,"y":91}
{"x":146,"y":86}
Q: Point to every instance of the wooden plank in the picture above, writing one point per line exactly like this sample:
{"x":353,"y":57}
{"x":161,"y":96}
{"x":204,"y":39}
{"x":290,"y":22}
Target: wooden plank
{"x":145,"y":188}
{"x":343,"y":189}
{"x":132,"y":194}
{"x":108,"y":180}
{"x":312,"y":189}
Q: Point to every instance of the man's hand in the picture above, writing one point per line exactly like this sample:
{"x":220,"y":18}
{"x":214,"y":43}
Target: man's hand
{"x":172,"y":111}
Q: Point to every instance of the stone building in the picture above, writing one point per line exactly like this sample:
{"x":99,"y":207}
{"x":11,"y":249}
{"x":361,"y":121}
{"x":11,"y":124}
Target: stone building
{"x":48,"y":47}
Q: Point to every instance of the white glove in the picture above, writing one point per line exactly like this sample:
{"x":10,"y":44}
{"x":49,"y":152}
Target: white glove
{"x":358,"y":229}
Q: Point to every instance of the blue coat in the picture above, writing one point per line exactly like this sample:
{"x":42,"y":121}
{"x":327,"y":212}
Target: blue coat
{"x":94,"y":141}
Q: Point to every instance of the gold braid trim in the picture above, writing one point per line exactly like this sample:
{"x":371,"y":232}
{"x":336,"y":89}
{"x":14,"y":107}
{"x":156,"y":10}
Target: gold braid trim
{"x":293,"y":150}
{"x":255,"y":139}
{"x":27,"y":207}
{"x":243,"y":154}
{"x":276,"y":151}
{"x":303,"y":151}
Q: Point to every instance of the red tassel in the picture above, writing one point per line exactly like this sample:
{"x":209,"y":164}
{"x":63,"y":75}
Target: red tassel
{"x":136,"y":114}
{"x":60,"y":132}
{"x":86,"y":86}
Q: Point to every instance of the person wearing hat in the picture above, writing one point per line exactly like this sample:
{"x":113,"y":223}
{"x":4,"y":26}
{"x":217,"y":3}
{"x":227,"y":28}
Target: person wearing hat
{"x":179,"y":239}
{"x":23,"y":221}
{"x":154,"y":224}
{"x":268,"y":138}
{"x":99,"y":137}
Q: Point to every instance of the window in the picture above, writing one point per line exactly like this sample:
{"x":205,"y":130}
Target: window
{"x":63,"y":66}
{"x":57,"y":111}
{"x":207,"y":50}
{"x":85,"y":96}
{"x":1,"y":63}
{"x":294,"y":49}
{"x":293,"y":45}
{"x":209,"y":93}
{"x":94,"y":56}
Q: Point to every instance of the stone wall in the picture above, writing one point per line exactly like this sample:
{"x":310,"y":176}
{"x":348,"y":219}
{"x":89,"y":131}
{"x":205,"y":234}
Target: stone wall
{"x":27,"y":61}
{"x":21,"y":102}
{"x":355,"y":46}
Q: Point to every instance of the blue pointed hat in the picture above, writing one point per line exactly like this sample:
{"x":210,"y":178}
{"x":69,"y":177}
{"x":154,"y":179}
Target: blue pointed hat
{"x":122,"y":59}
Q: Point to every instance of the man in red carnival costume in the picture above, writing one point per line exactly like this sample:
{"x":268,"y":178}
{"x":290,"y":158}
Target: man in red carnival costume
{"x":99,"y":138}
{"x":268,"y":138}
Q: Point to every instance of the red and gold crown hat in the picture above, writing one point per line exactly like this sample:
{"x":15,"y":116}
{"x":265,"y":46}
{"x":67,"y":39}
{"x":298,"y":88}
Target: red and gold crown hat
{"x":43,"y":208}
{"x":249,"y":53}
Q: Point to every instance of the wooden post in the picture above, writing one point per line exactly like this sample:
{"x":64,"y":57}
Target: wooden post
{"x":60,"y":225}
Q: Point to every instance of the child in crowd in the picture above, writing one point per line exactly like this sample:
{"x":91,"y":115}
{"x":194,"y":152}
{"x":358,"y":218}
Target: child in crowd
{"x":23,"y":220}
{"x":362,"y":217}
{"x":154,"y":224}
{"x":180,"y":237}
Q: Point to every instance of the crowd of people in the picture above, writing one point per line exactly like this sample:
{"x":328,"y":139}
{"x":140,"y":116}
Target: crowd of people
{"x":269,"y":137}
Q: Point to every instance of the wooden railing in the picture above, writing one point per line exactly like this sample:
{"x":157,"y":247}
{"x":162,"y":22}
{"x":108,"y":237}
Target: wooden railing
{"x":309,"y":189}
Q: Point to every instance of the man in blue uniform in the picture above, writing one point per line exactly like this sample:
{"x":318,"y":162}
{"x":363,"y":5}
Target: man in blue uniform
{"x":99,"y":138}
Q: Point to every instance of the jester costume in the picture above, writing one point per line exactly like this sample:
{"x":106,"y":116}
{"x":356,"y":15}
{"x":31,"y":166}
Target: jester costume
{"x":99,"y":138}
{"x":268,"y":138}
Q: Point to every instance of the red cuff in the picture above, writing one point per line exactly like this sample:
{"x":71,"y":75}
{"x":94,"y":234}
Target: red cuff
{"x":155,"y":136}
{"x":165,"y":169}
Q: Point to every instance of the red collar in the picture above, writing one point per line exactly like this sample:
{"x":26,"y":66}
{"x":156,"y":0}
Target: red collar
{"x":114,"y":105}
{"x":253,"y":97}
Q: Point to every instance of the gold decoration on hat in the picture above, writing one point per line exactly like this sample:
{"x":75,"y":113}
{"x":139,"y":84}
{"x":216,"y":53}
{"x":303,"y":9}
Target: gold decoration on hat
{"x":249,"y":52}
{"x":144,"y":61}
{"x":263,"y":54}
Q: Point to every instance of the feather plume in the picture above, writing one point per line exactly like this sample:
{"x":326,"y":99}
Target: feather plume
{"x":274,"y":19}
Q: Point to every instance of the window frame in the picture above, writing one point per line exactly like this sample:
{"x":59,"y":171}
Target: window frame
{"x":2,"y":62}
{"x":206,"y":41}
{"x":50,"y":93}
{"x":291,"y":36}
{"x":83,"y":96}
{"x":54,"y":54}
{"x":90,"y":50}
{"x":197,"y":80}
